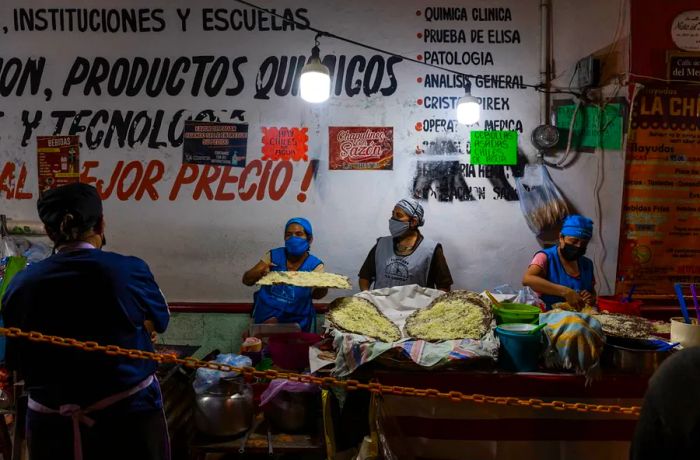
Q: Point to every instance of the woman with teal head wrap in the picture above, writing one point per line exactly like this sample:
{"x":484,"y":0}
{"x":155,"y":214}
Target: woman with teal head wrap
{"x":562,"y":273}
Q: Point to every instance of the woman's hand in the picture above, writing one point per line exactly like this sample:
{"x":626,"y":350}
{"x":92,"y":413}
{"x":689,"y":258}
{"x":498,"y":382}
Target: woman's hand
{"x":588,"y":298}
{"x":573,"y":298}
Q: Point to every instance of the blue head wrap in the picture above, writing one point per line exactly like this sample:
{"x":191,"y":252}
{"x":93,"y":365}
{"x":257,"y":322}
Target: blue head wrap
{"x":413,"y":209}
{"x":305,"y":224}
{"x":577,"y":227}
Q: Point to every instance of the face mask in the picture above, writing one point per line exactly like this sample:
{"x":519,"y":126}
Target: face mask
{"x":296,"y":246}
{"x":397,"y":227}
{"x":571,"y":252}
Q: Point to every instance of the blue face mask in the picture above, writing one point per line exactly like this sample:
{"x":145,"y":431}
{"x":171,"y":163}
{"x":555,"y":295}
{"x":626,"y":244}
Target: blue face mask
{"x":296,"y":246}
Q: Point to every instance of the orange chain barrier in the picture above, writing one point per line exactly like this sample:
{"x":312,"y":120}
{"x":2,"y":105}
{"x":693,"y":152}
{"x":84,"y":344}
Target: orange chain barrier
{"x":348,"y":385}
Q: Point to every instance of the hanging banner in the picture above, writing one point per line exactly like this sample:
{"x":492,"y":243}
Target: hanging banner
{"x":360,"y":148}
{"x":58,"y":160}
{"x":222,"y":144}
{"x":660,"y":234}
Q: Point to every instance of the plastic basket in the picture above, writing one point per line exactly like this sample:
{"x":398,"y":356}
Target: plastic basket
{"x":516,"y":313}
{"x":615,"y":305}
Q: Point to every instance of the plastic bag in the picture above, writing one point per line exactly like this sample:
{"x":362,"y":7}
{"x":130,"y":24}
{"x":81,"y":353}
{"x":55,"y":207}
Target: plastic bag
{"x":38,"y":251}
{"x":528,"y":297}
{"x":541,"y":203}
{"x":505,"y":289}
{"x":279,"y":385}
{"x":207,"y":378}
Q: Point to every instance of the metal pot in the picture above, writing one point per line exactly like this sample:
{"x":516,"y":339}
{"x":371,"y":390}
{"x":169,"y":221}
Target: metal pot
{"x":293,"y":412}
{"x":225,"y":409}
{"x":632,"y":356}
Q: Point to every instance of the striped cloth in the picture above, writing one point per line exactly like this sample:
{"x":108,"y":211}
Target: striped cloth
{"x":355,"y":350}
{"x":575,"y":342}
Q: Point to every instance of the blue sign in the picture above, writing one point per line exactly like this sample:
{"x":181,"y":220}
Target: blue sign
{"x":219,"y":144}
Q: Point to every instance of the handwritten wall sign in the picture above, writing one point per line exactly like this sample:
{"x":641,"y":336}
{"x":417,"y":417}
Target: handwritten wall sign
{"x":222,"y":144}
{"x":367,"y":148}
{"x":58,"y":160}
{"x":286,"y":144}
{"x":494,"y":147}
{"x":685,"y":30}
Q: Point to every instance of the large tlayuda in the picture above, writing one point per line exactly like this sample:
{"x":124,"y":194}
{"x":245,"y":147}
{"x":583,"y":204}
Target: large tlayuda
{"x":306,"y":279}
{"x":452,"y":316}
{"x":360,"y":316}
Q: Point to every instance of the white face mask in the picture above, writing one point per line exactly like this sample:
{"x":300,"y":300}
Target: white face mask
{"x":397,"y":227}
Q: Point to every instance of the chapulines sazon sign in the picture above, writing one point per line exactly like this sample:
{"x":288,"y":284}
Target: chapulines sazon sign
{"x":363,"y":148}
{"x":660,"y":235}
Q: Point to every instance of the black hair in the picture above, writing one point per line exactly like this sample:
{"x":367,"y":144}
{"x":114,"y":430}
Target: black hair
{"x":71,"y":227}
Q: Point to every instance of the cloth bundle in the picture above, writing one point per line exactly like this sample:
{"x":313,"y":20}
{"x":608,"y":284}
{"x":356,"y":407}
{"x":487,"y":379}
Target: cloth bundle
{"x":575,"y":342}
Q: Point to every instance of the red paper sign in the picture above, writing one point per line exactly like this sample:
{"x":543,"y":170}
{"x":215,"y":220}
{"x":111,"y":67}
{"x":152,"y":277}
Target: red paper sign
{"x":368,"y":148}
{"x":285,"y":144}
{"x":58,"y":161}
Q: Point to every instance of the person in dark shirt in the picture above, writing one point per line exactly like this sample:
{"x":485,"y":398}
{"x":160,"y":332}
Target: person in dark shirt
{"x":406,"y":257}
{"x":669,"y":425}
{"x":87,"y":294}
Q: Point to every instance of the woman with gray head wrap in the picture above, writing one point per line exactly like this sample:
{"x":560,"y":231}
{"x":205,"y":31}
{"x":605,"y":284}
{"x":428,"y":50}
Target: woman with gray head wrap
{"x":406,"y":257}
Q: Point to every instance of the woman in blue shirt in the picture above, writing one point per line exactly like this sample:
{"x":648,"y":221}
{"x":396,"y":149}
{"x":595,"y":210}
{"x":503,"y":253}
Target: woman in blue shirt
{"x":282,"y":303}
{"x":562,"y":273}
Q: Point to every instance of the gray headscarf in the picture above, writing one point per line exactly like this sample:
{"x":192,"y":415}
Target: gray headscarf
{"x":413,"y":209}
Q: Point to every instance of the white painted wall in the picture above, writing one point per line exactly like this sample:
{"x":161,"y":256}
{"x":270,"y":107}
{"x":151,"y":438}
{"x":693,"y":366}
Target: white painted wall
{"x":199,"y":249}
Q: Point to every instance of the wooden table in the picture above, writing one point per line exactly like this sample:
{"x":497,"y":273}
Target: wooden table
{"x":437,"y":428}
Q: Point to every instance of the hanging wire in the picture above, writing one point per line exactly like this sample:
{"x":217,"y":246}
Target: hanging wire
{"x":323,"y":33}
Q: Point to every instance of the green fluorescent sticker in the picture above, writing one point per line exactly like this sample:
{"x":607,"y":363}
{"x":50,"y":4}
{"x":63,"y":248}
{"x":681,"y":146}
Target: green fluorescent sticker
{"x":494,"y":147}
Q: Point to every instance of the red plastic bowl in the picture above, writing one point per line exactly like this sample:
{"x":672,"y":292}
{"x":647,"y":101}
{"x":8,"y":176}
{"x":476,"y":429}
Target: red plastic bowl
{"x":615,"y":305}
{"x":291,"y":351}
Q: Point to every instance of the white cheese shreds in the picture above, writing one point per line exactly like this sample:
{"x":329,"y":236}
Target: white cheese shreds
{"x":306,"y":279}
{"x":453,"y":316}
{"x":359,"y":316}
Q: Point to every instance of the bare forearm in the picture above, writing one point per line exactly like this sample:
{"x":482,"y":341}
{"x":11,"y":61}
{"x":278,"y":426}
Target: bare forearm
{"x":364,"y":284}
{"x":544,"y":286}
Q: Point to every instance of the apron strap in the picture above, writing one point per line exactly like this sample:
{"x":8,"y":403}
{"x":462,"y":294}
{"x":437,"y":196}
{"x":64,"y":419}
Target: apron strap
{"x":78,"y":415}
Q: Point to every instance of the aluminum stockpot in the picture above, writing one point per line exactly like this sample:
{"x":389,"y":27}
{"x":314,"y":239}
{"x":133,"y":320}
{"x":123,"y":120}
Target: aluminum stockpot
{"x":226,"y":409}
{"x":634,"y":356}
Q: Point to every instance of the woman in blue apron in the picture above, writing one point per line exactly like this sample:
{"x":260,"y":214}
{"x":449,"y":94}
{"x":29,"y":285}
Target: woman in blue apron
{"x":562,"y":273}
{"x":281,"y":303}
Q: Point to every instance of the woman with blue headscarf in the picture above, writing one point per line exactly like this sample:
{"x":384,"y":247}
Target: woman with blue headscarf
{"x":406,"y":257}
{"x":282,"y":303}
{"x":561,"y":273}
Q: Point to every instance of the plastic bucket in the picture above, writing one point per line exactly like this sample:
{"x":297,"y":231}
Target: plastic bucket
{"x":615,"y":305}
{"x":687,"y":334}
{"x":516,"y":313}
{"x":519,"y":351}
{"x":291,"y":351}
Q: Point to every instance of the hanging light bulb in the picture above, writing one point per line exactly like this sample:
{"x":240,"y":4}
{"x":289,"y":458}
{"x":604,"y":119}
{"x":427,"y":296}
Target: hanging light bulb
{"x":315,"y":80}
{"x":468,"y":107}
